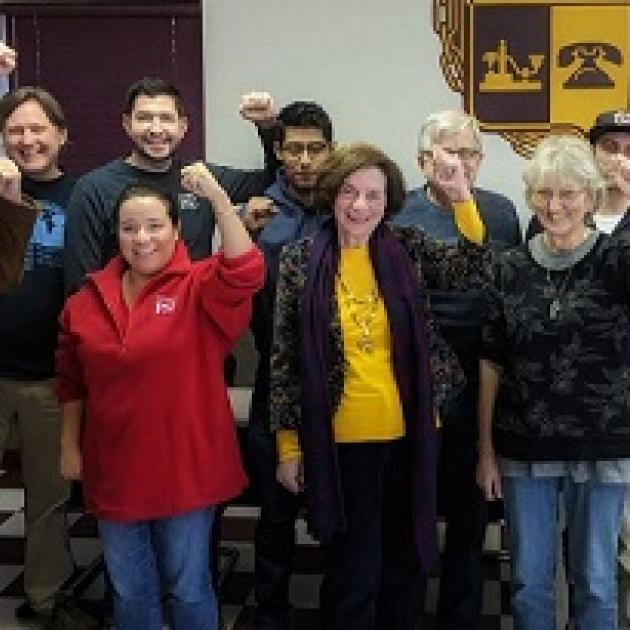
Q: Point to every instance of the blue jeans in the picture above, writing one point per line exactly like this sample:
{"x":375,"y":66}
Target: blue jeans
{"x":593,"y":523}
{"x":173,"y":552}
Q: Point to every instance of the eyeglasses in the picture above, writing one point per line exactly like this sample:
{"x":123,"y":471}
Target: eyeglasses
{"x":612,"y":147}
{"x":544,"y":196}
{"x":297,"y":149}
{"x":465,"y":154}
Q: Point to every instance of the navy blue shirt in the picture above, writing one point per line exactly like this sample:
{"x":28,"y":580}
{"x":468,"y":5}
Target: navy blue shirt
{"x":91,"y":236}
{"x":497,"y":212}
{"x":459,"y":314}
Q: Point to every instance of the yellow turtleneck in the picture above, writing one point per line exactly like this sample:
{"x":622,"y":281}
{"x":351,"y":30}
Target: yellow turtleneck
{"x":370,"y":407}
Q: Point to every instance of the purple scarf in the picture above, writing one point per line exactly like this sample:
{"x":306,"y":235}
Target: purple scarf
{"x":405,"y":308}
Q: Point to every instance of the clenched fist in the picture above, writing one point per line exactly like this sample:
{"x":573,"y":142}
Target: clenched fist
{"x":10,"y":181}
{"x":258,"y":107}
{"x":258,"y":212}
{"x":8,"y":58}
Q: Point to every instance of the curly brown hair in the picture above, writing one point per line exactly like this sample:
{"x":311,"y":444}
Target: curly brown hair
{"x":350,"y":158}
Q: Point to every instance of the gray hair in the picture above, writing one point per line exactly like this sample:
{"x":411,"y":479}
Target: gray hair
{"x":446,"y":123}
{"x":567,"y":158}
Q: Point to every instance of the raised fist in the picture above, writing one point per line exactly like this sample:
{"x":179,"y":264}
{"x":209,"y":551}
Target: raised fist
{"x":10,"y":181}
{"x":258,"y":107}
{"x":446,"y":173}
{"x":258,"y":212}
{"x":197,"y":179}
{"x":8,"y":58}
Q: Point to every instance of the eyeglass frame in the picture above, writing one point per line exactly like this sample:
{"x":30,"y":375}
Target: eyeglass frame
{"x":312,"y":149}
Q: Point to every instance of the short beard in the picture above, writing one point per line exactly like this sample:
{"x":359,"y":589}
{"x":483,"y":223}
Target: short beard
{"x":305,"y":193}
{"x":299,"y":187}
{"x":158,"y":164}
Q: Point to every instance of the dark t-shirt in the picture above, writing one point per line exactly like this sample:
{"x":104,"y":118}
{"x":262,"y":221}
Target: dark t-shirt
{"x":28,"y":315}
{"x":91,"y":238}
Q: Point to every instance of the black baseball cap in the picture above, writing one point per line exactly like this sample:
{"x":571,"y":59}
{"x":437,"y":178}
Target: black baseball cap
{"x":609,"y":122}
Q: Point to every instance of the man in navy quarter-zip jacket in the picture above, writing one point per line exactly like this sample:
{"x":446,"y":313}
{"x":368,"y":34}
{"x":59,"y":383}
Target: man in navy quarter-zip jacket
{"x":303,"y":142}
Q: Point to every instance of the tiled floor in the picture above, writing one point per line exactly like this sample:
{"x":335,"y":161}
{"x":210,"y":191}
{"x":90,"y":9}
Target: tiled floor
{"x":238,"y":528}
{"x":307,"y":578}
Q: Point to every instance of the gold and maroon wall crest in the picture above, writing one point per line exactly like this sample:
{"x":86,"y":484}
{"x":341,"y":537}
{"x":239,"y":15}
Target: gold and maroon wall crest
{"x":528,"y":68}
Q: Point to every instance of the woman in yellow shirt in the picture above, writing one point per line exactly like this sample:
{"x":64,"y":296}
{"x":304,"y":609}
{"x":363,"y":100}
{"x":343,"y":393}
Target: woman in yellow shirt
{"x":357,"y":375}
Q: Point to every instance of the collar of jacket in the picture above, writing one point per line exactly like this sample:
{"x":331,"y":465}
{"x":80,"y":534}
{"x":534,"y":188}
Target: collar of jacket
{"x":109,"y":279}
{"x":280,"y":193}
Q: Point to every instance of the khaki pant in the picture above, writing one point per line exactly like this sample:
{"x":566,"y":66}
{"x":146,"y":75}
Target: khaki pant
{"x":33,"y":408}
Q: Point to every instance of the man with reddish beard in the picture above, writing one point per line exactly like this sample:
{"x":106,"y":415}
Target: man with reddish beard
{"x":155,"y":121}
{"x":610,"y":137}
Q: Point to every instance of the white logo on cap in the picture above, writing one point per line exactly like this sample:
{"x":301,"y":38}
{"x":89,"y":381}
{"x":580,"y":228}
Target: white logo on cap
{"x":622,"y":118}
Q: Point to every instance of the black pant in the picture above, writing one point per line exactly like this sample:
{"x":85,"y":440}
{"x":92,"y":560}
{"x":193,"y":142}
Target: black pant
{"x":275,"y":532}
{"x":372,"y":576}
{"x":463,"y":508}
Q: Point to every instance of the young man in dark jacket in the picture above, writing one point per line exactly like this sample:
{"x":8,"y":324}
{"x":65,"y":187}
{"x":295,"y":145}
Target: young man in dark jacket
{"x":304,"y":140}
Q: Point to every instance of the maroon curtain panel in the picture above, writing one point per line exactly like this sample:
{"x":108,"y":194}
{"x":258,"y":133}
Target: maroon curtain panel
{"x":89,"y":61}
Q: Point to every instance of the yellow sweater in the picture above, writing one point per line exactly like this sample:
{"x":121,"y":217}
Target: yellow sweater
{"x":370,"y":407}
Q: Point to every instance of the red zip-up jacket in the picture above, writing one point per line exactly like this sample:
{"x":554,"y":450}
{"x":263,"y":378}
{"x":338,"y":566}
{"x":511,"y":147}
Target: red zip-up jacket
{"x":158,"y":434}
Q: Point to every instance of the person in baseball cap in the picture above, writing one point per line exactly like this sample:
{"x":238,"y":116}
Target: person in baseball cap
{"x":610,"y":122}
{"x":610,"y":137}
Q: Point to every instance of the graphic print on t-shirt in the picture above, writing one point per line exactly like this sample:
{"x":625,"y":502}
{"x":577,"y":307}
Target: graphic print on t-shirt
{"x":46,"y":246}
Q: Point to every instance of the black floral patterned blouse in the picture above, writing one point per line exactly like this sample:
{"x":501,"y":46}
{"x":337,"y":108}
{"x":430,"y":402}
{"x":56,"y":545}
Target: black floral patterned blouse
{"x":437,"y":265}
{"x":561,"y":337}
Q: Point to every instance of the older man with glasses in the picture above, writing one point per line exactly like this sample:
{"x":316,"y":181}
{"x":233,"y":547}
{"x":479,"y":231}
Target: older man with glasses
{"x":459,"y":316}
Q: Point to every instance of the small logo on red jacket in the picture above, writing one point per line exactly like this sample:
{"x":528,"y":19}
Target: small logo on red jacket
{"x":164,"y":305}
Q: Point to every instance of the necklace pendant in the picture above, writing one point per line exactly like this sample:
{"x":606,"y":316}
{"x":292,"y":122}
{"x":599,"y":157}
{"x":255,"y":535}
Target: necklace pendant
{"x":365,"y":344}
{"x":554,"y":309}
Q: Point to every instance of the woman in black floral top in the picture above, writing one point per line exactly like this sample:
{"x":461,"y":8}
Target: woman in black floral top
{"x":554,"y":397}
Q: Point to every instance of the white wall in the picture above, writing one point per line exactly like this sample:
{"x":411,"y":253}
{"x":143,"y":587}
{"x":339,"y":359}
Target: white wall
{"x":375,"y":69}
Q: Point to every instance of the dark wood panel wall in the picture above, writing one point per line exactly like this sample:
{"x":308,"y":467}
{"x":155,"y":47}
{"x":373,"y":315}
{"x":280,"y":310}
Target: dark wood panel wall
{"x":87,"y":59}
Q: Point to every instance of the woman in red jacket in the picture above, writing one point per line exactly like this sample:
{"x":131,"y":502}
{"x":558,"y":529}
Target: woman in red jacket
{"x":146,"y":422}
